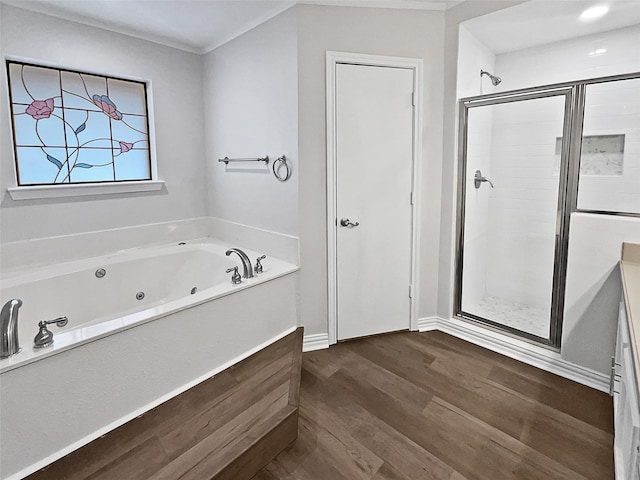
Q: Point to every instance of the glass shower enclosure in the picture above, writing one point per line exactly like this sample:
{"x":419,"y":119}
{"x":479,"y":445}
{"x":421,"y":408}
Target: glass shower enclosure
{"x":519,"y":157}
{"x":514,"y":173}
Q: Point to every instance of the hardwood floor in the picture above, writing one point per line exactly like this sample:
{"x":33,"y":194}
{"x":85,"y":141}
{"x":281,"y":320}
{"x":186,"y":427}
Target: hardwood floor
{"x":413,"y":406}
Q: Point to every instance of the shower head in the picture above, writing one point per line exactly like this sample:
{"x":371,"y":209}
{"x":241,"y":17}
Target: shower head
{"x":495,"y":80}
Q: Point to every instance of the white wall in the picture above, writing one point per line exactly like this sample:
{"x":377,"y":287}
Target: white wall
{"x":407,"y":33}
{"x":176,"y":79}
{"x":594,"y":287}
{"x":474,"y":56}
{"x":251,"y":104}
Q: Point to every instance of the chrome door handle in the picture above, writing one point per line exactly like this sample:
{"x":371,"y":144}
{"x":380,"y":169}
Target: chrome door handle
{"x":345,"y":222}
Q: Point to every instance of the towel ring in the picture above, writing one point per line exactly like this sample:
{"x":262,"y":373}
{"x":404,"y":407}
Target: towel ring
{"x":277,"y":165}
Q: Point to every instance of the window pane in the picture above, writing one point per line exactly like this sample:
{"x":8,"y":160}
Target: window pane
{"x":131,"y":128}
{"x":71,"y":126}
{"x":37,"y":166}
{"x":92,"y":165}
{"x":39,"y":83}
{"x":129,"y":95}
{"x":18,"y":92}
{"x":77,"y":88}
{"x":132,"y":164}
{"x":610,"y":158}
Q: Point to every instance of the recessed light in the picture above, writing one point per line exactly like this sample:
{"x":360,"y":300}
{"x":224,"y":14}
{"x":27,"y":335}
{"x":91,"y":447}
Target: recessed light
{"x":598,"y":51}
{"x":593,"y":13}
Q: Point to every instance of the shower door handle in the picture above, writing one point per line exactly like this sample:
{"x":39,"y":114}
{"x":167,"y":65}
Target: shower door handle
{"x":345,"y":222}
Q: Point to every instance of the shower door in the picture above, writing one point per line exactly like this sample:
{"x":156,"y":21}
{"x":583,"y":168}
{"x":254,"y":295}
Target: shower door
{"x":512,"y":225}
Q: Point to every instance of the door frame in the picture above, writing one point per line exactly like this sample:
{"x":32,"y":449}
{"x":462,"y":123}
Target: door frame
{"x":416,"y":64}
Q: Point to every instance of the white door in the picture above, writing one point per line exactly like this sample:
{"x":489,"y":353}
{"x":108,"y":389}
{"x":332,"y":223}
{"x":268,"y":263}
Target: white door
{"x":374,"y":158}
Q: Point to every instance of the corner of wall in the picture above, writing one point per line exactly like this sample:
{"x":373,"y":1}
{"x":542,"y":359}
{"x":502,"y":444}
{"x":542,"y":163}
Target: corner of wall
{"x":251,"y":98}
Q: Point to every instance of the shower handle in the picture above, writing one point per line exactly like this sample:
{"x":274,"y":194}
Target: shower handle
{"x":478,"y":179}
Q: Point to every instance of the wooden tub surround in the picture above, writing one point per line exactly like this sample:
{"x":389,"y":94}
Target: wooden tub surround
{"x":225,"y":428}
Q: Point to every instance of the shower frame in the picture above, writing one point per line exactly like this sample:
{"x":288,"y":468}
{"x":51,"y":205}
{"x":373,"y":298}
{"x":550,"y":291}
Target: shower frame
{"x":574,"y":93}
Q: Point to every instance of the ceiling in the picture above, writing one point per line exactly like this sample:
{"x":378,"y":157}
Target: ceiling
{"x":539,"y":22}
{"x":199,"y":26}
{"x":196,"y":26}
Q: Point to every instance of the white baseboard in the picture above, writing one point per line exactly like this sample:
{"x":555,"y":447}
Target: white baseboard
{"x":517,"y":349}
{"x":427,"y":324}
{"x":318,"y":341}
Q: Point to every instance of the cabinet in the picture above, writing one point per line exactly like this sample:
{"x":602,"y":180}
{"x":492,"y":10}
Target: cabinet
{"x":624,"y":387}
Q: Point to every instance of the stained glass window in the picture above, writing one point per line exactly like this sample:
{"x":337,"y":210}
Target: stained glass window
{"x":72,"y":127}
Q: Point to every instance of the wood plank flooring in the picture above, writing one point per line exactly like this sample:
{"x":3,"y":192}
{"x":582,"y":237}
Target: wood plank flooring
{"x":413,"y":406}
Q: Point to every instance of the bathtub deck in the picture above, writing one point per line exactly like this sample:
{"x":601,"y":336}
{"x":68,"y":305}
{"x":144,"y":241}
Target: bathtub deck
{"x":428,"y":406}
{"x":226,"y":427}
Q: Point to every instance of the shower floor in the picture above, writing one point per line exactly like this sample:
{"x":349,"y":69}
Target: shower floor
{"x":515,"y":315}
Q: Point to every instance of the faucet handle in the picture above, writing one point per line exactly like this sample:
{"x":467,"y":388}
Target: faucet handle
{"x":60,"y":321}
{"x":235,"y":278}
{"x":258,"y":267}
{"x":478,"y":179}
{"x":44,"y":337}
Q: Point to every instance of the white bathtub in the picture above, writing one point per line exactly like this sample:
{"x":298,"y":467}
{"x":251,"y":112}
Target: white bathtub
{"x":118,"y":356}
{"x":166,"y":275}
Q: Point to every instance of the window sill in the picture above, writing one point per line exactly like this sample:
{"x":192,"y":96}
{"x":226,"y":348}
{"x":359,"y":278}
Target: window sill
{"x":78,"y":190}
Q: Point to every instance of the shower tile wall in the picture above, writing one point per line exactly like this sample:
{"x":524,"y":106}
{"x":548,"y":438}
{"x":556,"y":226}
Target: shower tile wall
{"x":610,"y":109}
{"x":613,"y":109}
{"x":524,"y":203}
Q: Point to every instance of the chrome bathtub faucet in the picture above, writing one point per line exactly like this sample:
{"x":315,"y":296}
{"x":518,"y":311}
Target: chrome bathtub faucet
{"x":247,"y":269}
{"x":9,"y":344}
